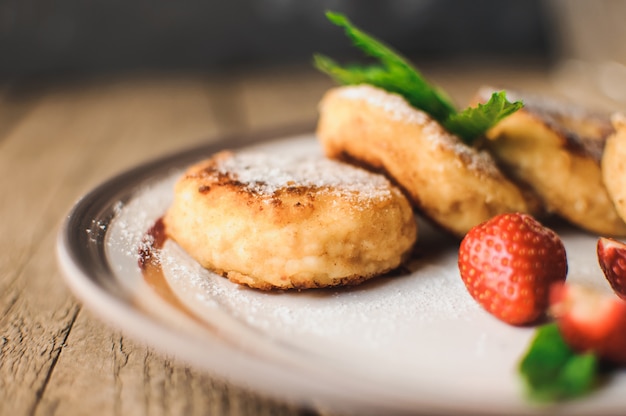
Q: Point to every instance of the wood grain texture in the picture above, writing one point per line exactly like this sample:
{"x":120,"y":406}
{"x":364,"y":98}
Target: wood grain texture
{"x":122,"y":377}
{"x":57,"y":142}
{"x":15,"y":102}
{"x":270,"y":99}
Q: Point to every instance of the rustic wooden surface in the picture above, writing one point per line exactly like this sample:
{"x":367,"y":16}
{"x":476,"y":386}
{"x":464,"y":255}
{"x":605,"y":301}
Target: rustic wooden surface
{"x":57,"y":141}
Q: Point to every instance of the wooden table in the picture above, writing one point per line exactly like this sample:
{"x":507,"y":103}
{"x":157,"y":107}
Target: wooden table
{"x":57,"y":141}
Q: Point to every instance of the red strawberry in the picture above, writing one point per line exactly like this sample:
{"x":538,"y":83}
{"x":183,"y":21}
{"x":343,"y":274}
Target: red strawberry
{"x":508,"y":265}
{"x":612,"y":259}
{"x":590,"y":321}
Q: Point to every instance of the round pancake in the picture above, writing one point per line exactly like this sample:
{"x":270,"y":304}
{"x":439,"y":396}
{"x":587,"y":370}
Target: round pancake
{"x":451,"y":183}
{"x":555,"y":148}
{"x":280,"y":222}
{"x":614,"y":164}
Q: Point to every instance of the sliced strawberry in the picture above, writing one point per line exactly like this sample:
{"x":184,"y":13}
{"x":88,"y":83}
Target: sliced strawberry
{"x":590,"y":321}
{"x":508,"y":265}
{"x":612,"y":259}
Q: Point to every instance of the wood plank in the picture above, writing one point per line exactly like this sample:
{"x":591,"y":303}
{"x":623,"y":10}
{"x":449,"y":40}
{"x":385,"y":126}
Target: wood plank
{"x":119,"y":376}
{"x":15,"y":102}
{"x":33,"y":330}
{"x":71,"y":139}
{"x":284,"y":96}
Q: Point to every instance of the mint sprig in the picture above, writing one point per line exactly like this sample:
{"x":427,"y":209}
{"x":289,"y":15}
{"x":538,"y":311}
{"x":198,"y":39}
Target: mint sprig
{"x":395,"y":74}
{"x":552,"y":371}
{"x":475,"y":121}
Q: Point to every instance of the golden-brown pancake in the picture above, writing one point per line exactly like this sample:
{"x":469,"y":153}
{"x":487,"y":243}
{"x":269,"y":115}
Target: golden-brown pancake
{"x":614,"y":164}
{"x":555,"y":148}
{"x":280,"y":222}
{"x":451,"y":183}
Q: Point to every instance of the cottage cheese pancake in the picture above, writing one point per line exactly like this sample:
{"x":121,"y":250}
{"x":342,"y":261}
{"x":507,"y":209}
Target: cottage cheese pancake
{"x":451,"y":183}
{"x":614,"y":164}
{"x":280,"y":222}
{"x":556,"y":148}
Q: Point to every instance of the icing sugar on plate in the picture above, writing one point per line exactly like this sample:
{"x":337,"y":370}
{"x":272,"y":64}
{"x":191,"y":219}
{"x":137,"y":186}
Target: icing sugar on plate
{"x":412,"y":342}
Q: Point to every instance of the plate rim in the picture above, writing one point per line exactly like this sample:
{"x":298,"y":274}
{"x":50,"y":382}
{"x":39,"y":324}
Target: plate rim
{"x":114,"y":306}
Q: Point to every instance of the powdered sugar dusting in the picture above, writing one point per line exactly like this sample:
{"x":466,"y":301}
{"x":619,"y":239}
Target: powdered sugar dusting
{"x":266,"y":173}
{"x":400,"y":110}
{"x":394,"y":104}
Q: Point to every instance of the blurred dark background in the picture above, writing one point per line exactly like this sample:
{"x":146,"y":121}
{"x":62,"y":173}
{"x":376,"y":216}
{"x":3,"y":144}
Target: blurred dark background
{"x":64,"y":37}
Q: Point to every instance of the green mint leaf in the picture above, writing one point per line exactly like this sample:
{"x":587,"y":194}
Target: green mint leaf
{"x":475,"y":121}
{"x":393,"y":73}
{"x":553,"y":372}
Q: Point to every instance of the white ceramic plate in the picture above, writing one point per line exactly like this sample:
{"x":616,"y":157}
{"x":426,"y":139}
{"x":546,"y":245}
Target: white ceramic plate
{"x":414,"y":343}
